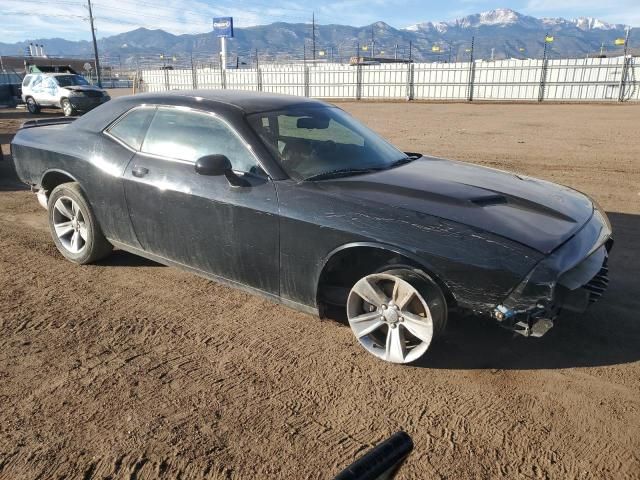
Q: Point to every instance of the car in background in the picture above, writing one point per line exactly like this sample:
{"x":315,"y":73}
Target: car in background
{"x":70,"y":92}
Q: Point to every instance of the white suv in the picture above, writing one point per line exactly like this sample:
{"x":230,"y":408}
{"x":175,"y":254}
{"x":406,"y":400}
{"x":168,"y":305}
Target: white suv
{"x":68,"y":91}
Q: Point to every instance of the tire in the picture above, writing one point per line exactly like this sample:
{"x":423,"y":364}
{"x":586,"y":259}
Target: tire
{"x":74,"y":227}
{"x":397,"y":314}
{"x":67,"y":108}
{"x":32,"y":106}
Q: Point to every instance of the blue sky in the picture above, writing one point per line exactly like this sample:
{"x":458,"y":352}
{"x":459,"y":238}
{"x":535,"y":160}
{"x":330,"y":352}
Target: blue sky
{"x":30,"y":19}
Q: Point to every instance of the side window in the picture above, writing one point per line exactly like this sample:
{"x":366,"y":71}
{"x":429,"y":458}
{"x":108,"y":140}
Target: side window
{"x":189,"y":135}
{"x":50,"y":84}
{"x":36,"y":82}
{"x":26,"y":80}
{"x":131,"y":128}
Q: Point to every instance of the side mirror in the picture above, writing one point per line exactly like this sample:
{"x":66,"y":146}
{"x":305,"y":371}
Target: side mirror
{"x":213,"y":165}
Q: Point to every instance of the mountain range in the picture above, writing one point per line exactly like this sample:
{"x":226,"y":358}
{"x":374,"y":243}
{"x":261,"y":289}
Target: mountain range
{"x":501,"y":33}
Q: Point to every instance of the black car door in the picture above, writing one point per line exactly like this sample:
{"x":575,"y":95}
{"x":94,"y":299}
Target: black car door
{"x":203,"y":221}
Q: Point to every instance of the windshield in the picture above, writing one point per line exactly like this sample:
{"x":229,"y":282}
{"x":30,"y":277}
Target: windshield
{"x":71,"y":80}
{"x":319,"y":142}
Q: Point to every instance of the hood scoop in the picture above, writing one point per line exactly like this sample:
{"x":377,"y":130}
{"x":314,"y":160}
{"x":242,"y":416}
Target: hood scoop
{"x":521,"y":204}
{"x":490,"y":200}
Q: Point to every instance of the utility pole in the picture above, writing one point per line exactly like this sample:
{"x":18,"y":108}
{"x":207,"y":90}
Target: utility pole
{"x":625,"y":64}
{"x":410,"y":45}
{"x":95,"y":44}
{"x":626,"y":41}
{"x":194,"y":78}
{"x":373,"y":43}
{"x":543,"y":71}
{"x":472,"y":70}
{"x":313,"y":34}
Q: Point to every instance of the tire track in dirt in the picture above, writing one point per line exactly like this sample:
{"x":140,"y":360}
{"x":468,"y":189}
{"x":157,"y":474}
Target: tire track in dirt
{"x":128,"y":369}
{"x":241,"y":370}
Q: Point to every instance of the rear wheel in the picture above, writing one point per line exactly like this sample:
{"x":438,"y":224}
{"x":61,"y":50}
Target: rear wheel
{"x":396,"y":314}
{"x":32,"y":106}
{"x":67,"y":108}
{"x":73,"y":226}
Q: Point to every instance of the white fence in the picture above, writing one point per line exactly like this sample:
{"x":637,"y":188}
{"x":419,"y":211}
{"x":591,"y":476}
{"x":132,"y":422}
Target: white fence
{"x":591,"y":79}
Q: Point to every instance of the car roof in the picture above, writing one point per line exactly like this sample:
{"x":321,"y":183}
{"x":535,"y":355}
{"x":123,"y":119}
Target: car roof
{"x":247,"y":101}
{"x":54,"y":74}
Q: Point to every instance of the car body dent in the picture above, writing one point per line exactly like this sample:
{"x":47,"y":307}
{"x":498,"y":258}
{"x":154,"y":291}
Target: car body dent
{"x":478,"y":267}
{"x":537,"y":214}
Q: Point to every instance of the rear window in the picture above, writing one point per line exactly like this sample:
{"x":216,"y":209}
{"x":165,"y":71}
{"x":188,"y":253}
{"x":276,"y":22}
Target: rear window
{"x":131,"y":129}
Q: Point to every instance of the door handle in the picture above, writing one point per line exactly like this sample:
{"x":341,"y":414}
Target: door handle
{"x":139,"y":171}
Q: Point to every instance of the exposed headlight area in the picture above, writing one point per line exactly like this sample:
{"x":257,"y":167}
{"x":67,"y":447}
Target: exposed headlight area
{"x":571,"y":278}
{"x":605,"y":228}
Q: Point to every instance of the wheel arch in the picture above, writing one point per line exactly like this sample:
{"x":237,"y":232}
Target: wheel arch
{"x":53,"y":177}
{"x":382,"y":254}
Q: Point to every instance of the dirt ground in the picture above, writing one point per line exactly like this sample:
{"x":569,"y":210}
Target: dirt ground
{"x":128,"y":369}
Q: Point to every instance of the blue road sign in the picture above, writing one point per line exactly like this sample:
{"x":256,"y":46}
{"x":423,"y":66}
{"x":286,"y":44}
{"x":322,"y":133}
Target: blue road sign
{"x":223,"y":27}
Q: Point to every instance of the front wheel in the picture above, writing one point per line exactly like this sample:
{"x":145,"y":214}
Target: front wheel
{"x":67,"y":108}
{"x":73,"y":226}
{"x":396,"y":314}
{"x":32,"y":106}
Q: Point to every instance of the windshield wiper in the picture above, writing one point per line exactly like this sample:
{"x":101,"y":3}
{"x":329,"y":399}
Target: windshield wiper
{"x":402,"y":161}
{"x":342,"y":172}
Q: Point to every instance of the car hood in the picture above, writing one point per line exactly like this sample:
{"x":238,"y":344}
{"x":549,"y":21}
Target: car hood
{"x":84,"y":88}
{"x":535,"y":213}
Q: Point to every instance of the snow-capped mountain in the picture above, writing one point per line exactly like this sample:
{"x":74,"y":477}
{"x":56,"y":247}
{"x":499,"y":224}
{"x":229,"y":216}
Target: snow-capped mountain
{"x":503,"y":17}
{"x":512,"y":34}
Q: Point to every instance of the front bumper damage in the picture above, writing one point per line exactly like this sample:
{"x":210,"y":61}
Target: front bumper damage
{"x":569,"y":279}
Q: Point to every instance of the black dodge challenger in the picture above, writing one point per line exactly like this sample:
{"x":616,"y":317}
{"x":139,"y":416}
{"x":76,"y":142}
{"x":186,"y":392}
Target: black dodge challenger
{"x":294,"y":199}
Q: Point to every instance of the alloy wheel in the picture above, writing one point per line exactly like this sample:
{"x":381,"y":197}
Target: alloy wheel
{"x":32,"y":106}
{"x":390,"y":318}
{"x":70,"y":225}
{"x":67,"y":109}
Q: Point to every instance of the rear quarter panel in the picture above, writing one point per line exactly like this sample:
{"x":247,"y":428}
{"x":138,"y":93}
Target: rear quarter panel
{"x":93,"y":160}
